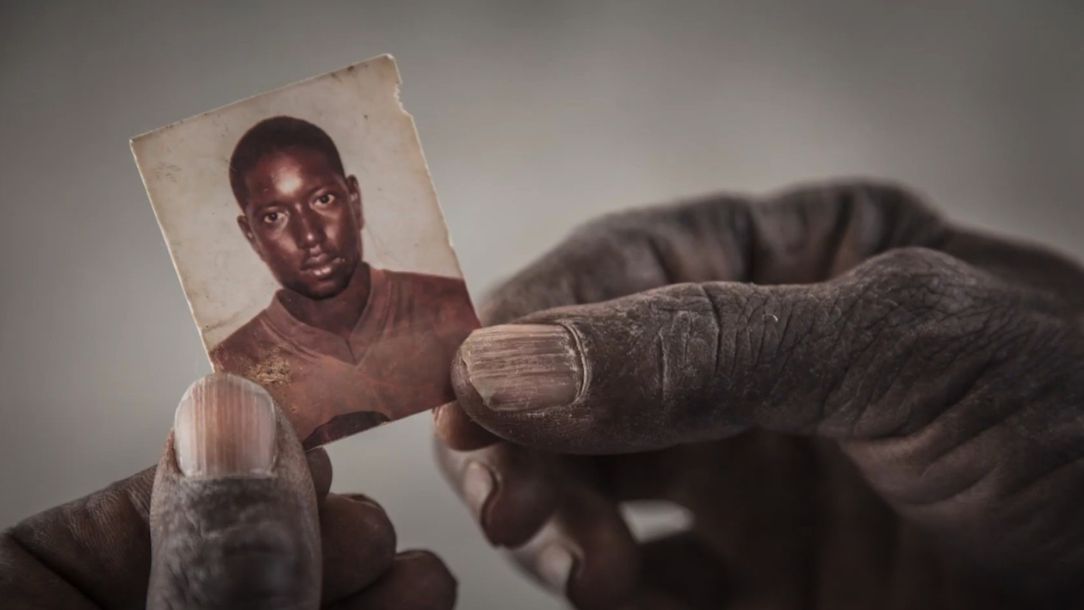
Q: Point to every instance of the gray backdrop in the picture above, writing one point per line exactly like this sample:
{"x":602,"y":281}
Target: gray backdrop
{"x":534,"y":116}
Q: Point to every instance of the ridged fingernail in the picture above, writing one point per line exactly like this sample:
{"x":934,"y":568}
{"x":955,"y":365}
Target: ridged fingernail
{"x":520,"y":367}
{"x":478,"y":484}
{"x":555,"y":564}
{"x":225,"y":426}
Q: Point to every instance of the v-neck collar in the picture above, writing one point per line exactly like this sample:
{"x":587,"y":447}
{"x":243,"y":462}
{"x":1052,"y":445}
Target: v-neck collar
{"x":317,"y":341}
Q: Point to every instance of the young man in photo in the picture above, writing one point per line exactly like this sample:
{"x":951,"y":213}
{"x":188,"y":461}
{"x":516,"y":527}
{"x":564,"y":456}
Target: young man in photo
{"x":343,"y":346}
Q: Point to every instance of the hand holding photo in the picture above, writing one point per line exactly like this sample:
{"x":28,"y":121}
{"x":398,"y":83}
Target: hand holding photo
{"x":309,"y":242}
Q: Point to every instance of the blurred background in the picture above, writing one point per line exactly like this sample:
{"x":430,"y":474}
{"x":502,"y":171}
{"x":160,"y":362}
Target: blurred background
{"x":534,"y":116}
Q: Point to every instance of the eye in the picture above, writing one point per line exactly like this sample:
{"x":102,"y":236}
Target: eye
{"x":325,"y":199}
{"x":272,"y":217}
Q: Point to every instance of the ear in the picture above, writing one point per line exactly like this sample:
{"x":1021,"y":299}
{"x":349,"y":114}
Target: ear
{"x":246,"y":230}
{"x":355,"y":200}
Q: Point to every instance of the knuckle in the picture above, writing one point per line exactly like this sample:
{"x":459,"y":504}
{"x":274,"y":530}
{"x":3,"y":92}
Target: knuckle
{"x":912,"y":311}
{"x":896,"y":199}
{"x":859,"y":219}
{"x":920,"y":281}
{"x":896,"y":205}
{"x":899,"y":216}
{"x":685,"y":346}
{"x":931,"y":301}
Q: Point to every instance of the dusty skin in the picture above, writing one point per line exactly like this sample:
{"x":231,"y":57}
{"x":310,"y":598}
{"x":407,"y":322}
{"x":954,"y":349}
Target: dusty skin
{"x":272,"y":539}
{"x":862,"y":404}
{"x":888,"y":419}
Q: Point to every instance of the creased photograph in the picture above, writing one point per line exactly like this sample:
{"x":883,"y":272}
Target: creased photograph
{"x":307,"y":236}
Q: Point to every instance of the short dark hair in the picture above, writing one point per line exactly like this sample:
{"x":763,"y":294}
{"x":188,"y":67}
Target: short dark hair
{"x":275,"y":134}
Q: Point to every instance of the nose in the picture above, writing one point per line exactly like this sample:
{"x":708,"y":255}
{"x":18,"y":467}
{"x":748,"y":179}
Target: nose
{"x":309,"y":229}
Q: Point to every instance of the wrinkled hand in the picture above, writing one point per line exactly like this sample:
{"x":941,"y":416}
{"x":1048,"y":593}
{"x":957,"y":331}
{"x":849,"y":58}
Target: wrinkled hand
{"x":239,"y":517}
{"x":860,"y":404}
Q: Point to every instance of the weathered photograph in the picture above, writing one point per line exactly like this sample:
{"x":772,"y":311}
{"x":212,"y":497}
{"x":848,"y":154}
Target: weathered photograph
{"x":307,"y":236}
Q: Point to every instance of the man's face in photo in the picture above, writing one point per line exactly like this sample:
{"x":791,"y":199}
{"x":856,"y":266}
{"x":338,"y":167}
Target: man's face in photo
{"x":303,"y":218}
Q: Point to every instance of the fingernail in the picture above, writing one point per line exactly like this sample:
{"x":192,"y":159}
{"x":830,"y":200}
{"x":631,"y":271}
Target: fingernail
{"x":520,"y":367}
{"x":555,"y":565}
{"x":478,"y":483}
{"x":224,"y":426}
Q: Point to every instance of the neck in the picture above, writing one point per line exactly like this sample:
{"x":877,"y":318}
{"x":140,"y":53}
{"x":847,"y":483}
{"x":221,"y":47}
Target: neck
{"x":338,"y":314}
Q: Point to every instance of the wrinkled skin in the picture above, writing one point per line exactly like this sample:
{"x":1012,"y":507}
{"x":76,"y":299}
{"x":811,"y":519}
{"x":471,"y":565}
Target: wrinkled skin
{"x":862,"y":405}
{"x":280,"y":541}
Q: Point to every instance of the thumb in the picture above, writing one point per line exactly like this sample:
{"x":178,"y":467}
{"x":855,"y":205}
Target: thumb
{"x":234,"y":521}
{"x":873,"y":352}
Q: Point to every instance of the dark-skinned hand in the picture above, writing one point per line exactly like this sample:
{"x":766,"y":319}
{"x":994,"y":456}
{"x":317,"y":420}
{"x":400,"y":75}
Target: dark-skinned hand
{"x":235,"y":516}
{"x":860,"y":404}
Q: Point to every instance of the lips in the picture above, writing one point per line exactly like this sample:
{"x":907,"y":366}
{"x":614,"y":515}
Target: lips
{"x":321,"y":266}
